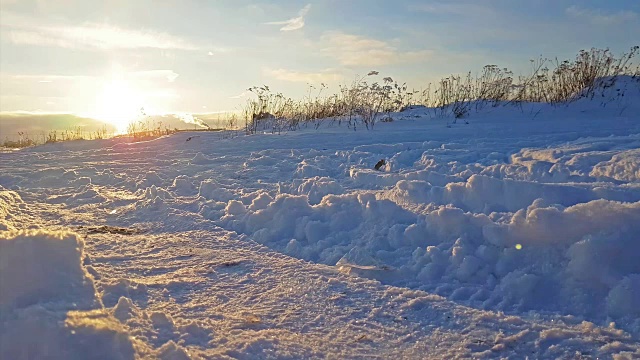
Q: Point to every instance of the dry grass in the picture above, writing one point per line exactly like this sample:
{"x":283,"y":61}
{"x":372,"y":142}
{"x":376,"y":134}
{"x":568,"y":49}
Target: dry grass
{"x":25,"y":139}
{"x":369,"y":99}
{"x":365,"y":100}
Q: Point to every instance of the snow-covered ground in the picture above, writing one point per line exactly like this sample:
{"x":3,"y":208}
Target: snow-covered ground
{"x":516,"y":235}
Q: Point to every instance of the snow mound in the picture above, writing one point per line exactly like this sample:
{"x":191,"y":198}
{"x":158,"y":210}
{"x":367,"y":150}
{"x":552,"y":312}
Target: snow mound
{"x":151,"y":178}
{"x":171,"y":351}
{"x":183,"y":186}
{"x":201,"y":159}
{"x":87,"y":194}
{"x":316,"y":188}
{"x":212,"y":190}
{"x":113,"y":292}
{"x":624,"y":166}
{"x":624,"y":298}
{"x":544,"y":255}
{"x":10,"y":204}
{"x":154,"y":198}
{"x":40,"y":266}
{"x":36,"y":333}
{"x":49,"y":308}
{"x":322,"y":232}
{"x":125,"y":309}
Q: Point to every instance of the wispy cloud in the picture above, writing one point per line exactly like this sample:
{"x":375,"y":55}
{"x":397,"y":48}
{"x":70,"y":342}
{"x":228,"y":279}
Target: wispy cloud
{"x":80,"y":92}
{"x":454,"y":8}
{"x":155,"y":75}
{"x":293,"y":23}
{"x":35,"y":31}
{"x":356,"y":50}
{"x":600,"y":17}
{"x":98,"y":37}
{"x":42,"y":78}
{"x":327,"y":76}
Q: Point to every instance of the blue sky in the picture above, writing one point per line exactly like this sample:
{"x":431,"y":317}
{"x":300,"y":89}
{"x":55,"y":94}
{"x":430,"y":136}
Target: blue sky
{"x":107,"y":58}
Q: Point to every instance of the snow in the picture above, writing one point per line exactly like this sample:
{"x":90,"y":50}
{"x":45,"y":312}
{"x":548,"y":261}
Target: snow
{"x":39,"y":266}
{"x":49,"y":304}
{"x":513,"y":236}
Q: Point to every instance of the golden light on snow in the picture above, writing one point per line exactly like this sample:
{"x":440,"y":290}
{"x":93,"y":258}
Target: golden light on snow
{"x":519,"y":246}
{"x":118,"y":103}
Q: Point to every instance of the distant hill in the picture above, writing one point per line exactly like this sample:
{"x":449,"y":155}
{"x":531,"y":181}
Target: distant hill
{"x":35,"y":124}
{"x":39,"y":124}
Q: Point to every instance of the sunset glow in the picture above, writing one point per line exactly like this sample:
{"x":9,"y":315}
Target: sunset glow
{"x":206,"y":54}
{"x":279,"y":179}
{"x":118,"y":103}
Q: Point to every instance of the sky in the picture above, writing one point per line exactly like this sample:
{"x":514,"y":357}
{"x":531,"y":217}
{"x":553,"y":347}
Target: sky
{"x":111,"y":58}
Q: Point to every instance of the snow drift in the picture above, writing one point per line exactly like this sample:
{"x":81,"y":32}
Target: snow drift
{"x":39,"y":266}
{"x":531,"y":211}
{"x":48,"y":301}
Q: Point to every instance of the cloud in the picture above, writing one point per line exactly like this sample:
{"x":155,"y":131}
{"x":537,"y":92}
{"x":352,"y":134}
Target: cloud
{"x":32,"y":31}
{"x":470,"y":9}
{"x":155,"y":76}
{"x":307,"y":77}
{"x":152,"y":75}
{"x":356,"y":50}
{"x":82,"y":93}
{"x":293,"y":23}
{"x":96,"y":36}
{"x":41,"y":78}
{"x":599,"y":17}
{"x":18,"y":89}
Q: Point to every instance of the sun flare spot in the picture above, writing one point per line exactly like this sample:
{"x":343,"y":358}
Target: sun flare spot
{"x":119,"y":103}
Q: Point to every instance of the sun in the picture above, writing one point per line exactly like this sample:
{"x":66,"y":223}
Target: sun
{"x":118,"y":103}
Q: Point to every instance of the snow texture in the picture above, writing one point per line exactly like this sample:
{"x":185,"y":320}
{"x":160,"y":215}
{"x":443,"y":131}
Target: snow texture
{"x":513,"y":236}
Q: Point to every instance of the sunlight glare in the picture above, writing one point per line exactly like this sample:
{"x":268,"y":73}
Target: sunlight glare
{"x":119,"y":104}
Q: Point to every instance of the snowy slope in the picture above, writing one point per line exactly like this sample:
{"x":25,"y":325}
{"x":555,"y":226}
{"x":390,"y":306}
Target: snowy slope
{"x":515,"y":235}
